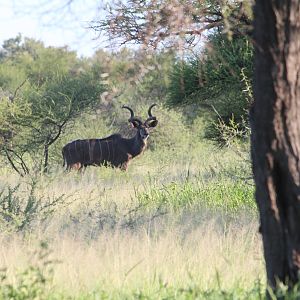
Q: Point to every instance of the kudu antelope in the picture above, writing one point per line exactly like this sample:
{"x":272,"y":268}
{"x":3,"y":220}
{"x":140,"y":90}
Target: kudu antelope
{"x":114,"y":150}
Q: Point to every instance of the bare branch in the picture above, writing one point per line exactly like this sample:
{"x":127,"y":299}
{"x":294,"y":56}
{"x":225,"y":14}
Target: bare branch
{"x":151,"y":23}
{"x":11,"y":98}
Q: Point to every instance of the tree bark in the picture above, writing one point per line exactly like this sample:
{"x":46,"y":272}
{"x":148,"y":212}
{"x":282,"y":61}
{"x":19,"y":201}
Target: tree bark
{"x":275,"y":140}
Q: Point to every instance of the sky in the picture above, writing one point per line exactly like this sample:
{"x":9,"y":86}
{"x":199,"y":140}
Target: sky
{"x":50,"y":22}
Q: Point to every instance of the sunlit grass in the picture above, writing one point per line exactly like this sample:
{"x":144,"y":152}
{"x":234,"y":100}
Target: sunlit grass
{"x":225,"y":195}
{"x":123,"y":261}
{"x":177,"y":224}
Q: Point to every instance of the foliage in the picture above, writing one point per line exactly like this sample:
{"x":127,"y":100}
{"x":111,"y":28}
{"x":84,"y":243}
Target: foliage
{"x":20,"y":210}
{"x":33,"y":282}
{"x":54,"y":88}
{"x":216,"y":82}
{"x":230,"y":133}
{"x":171,"y":132}
{"x":11,"y":47}
{"x":135,"y":78}
{"x":204,"y":79}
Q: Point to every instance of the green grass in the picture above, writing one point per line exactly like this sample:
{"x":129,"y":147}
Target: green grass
{"x":181,"y":293}
{"x":226,"y":195}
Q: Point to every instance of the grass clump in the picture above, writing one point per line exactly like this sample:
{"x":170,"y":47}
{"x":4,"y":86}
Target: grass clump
{"x":228,"y":195}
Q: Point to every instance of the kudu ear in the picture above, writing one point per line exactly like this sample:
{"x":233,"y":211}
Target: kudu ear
{"x":134,"y":123}
{"x":152,"y":123}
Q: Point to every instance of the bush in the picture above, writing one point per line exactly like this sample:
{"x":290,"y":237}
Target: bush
{"x":19,"y":210}
{"x":216,"y":81}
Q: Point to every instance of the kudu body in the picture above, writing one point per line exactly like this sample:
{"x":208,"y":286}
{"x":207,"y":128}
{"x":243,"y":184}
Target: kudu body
{"x":114,"y":150}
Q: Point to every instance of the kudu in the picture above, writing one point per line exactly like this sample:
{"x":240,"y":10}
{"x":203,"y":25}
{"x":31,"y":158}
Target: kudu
{"x":114,"y":150}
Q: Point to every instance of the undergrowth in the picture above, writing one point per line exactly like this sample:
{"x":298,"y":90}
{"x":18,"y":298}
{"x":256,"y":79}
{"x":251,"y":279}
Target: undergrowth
{"x":33,"y":282}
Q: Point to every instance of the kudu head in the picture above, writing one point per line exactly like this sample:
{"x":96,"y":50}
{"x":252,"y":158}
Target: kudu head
{"x":143,"y":128}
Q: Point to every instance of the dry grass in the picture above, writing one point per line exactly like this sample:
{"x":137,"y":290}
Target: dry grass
{"x":123,"y":260}
{"x":180,"y":249}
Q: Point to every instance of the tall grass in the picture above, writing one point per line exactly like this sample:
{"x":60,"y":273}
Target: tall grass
{"x":126,"y":262}
{"x":180,"y":224}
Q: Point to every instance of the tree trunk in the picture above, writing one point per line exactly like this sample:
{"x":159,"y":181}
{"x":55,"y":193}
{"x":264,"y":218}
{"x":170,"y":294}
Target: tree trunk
{"x":275,"y":140}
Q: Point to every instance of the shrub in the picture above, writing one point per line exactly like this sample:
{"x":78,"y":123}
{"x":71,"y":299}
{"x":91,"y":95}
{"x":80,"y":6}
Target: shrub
{"x":19,"y":210}
{"x":216,"y":81}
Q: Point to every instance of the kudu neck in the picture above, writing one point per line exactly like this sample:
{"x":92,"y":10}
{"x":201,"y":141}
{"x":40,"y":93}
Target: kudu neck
{"x":136,"y":145}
